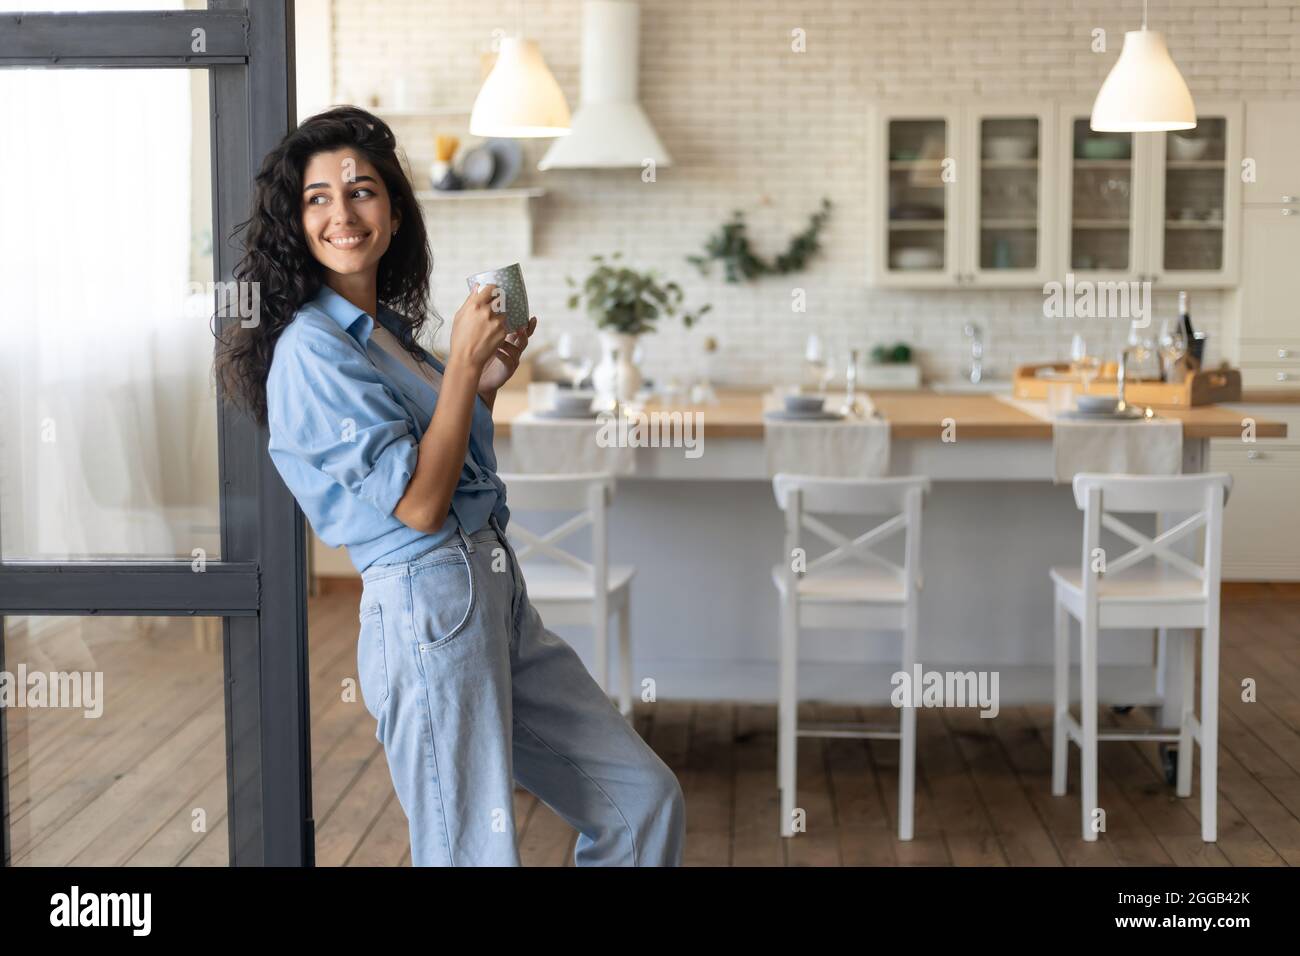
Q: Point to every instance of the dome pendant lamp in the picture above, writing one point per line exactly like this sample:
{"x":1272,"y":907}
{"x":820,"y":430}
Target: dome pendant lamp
{"x":520,"y":98}
{"x":1144,"y":92}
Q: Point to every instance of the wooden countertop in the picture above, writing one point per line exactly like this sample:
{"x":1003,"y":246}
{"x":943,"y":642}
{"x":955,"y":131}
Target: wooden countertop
{"x":915,"y":414}
{"x":1264,"y":396}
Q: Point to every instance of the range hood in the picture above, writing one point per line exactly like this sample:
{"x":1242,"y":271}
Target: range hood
{"x":609,"y":129}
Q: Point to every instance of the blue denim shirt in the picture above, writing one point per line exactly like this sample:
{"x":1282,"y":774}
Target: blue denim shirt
{"x":345,"y":419}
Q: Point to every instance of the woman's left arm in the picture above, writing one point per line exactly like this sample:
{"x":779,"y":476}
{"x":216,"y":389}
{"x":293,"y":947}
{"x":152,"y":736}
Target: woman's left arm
{"x":504,"y":364}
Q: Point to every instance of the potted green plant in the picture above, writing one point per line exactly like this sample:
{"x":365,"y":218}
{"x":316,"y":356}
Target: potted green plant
{"x":625,"y":303}
{"x":892,"y":366}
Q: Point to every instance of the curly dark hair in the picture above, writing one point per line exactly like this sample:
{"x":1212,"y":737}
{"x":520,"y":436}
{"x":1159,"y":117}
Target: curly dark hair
{"x":277,"y":258}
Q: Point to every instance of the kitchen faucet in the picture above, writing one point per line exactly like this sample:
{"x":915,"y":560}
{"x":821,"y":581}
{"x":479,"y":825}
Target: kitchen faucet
{"x":976,"y":335}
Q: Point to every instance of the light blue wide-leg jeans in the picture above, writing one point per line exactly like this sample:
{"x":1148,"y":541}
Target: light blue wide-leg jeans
{"x":471,"y":693}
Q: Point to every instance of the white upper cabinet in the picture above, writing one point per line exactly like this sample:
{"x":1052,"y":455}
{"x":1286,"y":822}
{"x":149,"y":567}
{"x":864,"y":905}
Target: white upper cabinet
{"x":1161,"y":207}
{"x":1015,"y":194}
{"x":915,"y":164}
{"x":1005,"y":230}
{"x":1262,"y":318}
{"x":1273,"y":148}
{"x":1101,"y":222}
{"x":1195,"y":205}
{"x":961,"y":195}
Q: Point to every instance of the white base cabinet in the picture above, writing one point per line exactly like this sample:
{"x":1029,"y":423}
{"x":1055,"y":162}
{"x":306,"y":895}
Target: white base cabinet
{"x":1261,"y":523}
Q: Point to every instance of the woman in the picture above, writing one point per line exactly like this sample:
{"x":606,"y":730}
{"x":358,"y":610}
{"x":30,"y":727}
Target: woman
{"x":389,"y":452}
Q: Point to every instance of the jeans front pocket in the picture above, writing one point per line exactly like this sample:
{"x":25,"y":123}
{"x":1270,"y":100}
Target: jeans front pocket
{"x":443,"y":595}
{"x":372,"y":659}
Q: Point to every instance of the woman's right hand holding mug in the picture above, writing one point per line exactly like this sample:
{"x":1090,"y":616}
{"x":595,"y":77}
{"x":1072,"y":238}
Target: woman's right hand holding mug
{"x":477,"y":331}
{"x":476,"y":334}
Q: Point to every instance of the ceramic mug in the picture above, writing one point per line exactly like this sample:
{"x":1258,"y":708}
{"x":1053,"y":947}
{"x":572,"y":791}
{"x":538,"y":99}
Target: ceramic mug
{"x":511,"y":294}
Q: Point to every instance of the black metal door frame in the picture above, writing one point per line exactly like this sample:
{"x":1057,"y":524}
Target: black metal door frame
{"x":259,"y":585}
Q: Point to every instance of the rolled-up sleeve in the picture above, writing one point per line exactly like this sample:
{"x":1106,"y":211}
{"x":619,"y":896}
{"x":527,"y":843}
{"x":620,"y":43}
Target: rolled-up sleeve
{"x":327,"y":405}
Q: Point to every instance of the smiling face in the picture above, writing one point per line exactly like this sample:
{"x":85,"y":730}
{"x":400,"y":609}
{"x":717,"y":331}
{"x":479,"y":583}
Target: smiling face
{"x":346,"y":213}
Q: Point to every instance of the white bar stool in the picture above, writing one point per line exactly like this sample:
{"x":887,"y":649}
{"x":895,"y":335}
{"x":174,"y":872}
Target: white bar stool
{"x":875,"y":595}
{"x":1174,"y":592}
{"x":567,"y":589}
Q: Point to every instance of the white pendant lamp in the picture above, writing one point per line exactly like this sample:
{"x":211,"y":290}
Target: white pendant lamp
{"x":520,"y":98}
{"x":1144,"y":91}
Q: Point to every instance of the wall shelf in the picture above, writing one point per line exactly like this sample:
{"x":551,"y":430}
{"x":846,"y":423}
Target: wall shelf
{"x":523,"y":195}
{"x":418,"y":112}
{"x":461,"y":195}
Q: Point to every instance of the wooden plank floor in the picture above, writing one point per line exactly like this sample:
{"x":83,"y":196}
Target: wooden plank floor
{"x":142,"y":784}
{"x":124,"y":790}
{"x":983,"y":795}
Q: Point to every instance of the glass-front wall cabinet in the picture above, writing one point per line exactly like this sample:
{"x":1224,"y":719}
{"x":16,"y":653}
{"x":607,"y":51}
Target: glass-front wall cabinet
{"x":1008,"y":223}
{"x":918,"y":245}
{"x":1101,"y":232}
{"x":1196,"y":192}
{"x":1007,"y":232}
{"x":1013,"y":194}
{"x":1193,"y":208}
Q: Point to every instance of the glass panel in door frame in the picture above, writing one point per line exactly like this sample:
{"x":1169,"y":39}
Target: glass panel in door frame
{"x":1185,"y":197}
{"x":1007,"y":231}
{"x":258,"y":586}
{"x":913,"y":166}
{"x":1106,"y":216}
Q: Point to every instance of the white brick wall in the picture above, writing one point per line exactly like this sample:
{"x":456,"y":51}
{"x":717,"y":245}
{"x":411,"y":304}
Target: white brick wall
{"x":745,"y":118}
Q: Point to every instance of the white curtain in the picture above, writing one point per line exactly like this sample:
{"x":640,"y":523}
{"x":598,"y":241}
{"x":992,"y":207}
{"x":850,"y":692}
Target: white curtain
{"x":108,"y":447}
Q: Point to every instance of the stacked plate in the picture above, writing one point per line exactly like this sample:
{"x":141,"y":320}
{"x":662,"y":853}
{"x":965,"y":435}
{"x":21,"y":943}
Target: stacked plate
{"x":1103,"y":408}
{"x":569,"y":404}
{"x":803,"y":408}
{"x":493,"y":165}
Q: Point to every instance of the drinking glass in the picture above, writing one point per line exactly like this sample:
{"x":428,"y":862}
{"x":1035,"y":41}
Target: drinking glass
{"x":1083,"y":363}
{"x":576,"y":364}
{"x":817,"y":362}
{"x":828,"y":371}
{"x":1144,"y":361}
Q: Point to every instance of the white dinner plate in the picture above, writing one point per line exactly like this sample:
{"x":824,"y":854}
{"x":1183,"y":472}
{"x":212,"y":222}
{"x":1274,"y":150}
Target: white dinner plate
{"x":565,"y":413}
{"x":1133,"y":414}
{"x":780,"y":415}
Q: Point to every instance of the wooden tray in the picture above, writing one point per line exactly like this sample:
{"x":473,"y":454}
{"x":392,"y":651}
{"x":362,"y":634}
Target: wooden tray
{"x":1204,"y":387}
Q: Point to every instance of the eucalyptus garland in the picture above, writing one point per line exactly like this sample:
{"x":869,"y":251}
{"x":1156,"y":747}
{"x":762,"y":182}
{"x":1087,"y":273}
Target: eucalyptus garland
{"x":730,"y":246}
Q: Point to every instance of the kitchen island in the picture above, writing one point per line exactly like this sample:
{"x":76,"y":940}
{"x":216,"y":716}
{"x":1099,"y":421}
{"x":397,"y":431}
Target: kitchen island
{"x":704,"y":532}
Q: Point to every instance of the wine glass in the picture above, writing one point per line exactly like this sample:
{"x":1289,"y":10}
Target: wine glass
{"x":828,"y":370}
{"x":817,"y":363}
{"x":577,"y":364}
{"x":1083,"y":363}
{"x":1173,"y":346}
